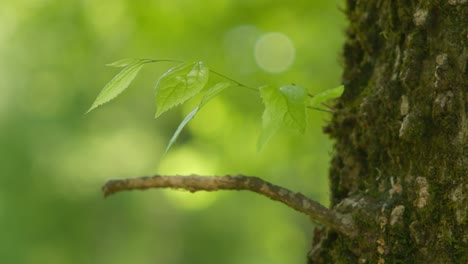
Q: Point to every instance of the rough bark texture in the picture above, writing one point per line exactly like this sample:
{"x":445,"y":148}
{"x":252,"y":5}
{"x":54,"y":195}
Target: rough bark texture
{"x":401,"y":133}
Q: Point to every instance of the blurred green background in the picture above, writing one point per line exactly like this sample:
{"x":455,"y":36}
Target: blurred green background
{"x":54,"y":158}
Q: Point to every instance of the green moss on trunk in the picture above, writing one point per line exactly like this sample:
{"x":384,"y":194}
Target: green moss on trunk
{"x":401,"y":135}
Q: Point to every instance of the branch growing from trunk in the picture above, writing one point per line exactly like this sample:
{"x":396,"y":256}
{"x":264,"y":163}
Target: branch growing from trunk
{"x":342,"y":223}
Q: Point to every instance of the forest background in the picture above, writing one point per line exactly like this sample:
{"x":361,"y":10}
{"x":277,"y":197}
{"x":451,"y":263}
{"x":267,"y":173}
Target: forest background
{"x":54,"y":158}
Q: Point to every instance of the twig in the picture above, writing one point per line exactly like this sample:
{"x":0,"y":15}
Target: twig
{"x":232,"y":80}
{"x":193,"y":183}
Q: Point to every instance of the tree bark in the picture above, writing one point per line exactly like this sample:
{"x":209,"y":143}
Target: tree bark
{"x":401,"y":133}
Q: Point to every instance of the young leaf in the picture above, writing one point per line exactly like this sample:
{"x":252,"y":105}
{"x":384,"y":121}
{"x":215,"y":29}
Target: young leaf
{"x":273,"y":114}
{"x":326,"y":95}
{"x":118,"y":84}
{"x":179,"y":84}
{"x":296,"y":114}
{"x":294,"y":93}
{"x":212,"y":92}
{"x":283,"y":107}
{"x":181,"y":126}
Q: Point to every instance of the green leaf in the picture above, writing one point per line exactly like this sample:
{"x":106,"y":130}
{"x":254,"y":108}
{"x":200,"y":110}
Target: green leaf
{"x":181,"y":126}
{"x":210,"y":94}
{"x":214,"y":91}
{"x":122,"y":63}
{"x":295,"y":94}
{"x":296,"y":114}
{"x":118,"y":84}
{"x":273,"y":114}
{"x":326,"y":95}
{"x":179,"y":84}
{"x":283,"y":107}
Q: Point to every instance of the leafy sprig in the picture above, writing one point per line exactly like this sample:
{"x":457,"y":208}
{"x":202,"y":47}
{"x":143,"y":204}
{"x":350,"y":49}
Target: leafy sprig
{"x":285,"y":106}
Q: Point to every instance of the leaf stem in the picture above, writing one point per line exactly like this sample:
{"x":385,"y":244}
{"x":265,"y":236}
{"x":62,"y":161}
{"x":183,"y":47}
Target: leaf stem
{"x":232,"y":80}
{"x":213,"y":71}
{"x":320,"y":109}
{"x":160,"y":60}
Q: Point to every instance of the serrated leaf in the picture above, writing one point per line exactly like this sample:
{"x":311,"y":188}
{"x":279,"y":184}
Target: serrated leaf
{"x":122,"y":63}
{"x":326,"y":95}
{"x":272,"y":115}
{"x":209,"y":94}
{"x":295,"y":94}
{"x":214,"y":91}
{"x":283,"y":107}
{"x":296,"y":114}
{"x":181,"y":126}
{"x":179,"y":84}
{"x":117,"y":85}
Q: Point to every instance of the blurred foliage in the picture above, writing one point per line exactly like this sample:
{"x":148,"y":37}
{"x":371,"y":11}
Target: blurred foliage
{"x":54,"y":158}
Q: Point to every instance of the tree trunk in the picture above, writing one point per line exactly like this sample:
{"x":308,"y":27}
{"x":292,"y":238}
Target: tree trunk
{"x":401,"y":135}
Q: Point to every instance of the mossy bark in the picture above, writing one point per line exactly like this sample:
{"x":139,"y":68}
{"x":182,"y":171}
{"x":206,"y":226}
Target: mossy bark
{"x":401,"y":130}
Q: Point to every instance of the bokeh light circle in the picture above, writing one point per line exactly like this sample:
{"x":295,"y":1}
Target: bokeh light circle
{"x":274,"y":52}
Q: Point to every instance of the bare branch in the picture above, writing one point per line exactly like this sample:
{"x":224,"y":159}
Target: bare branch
{"x":340,"y":222}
